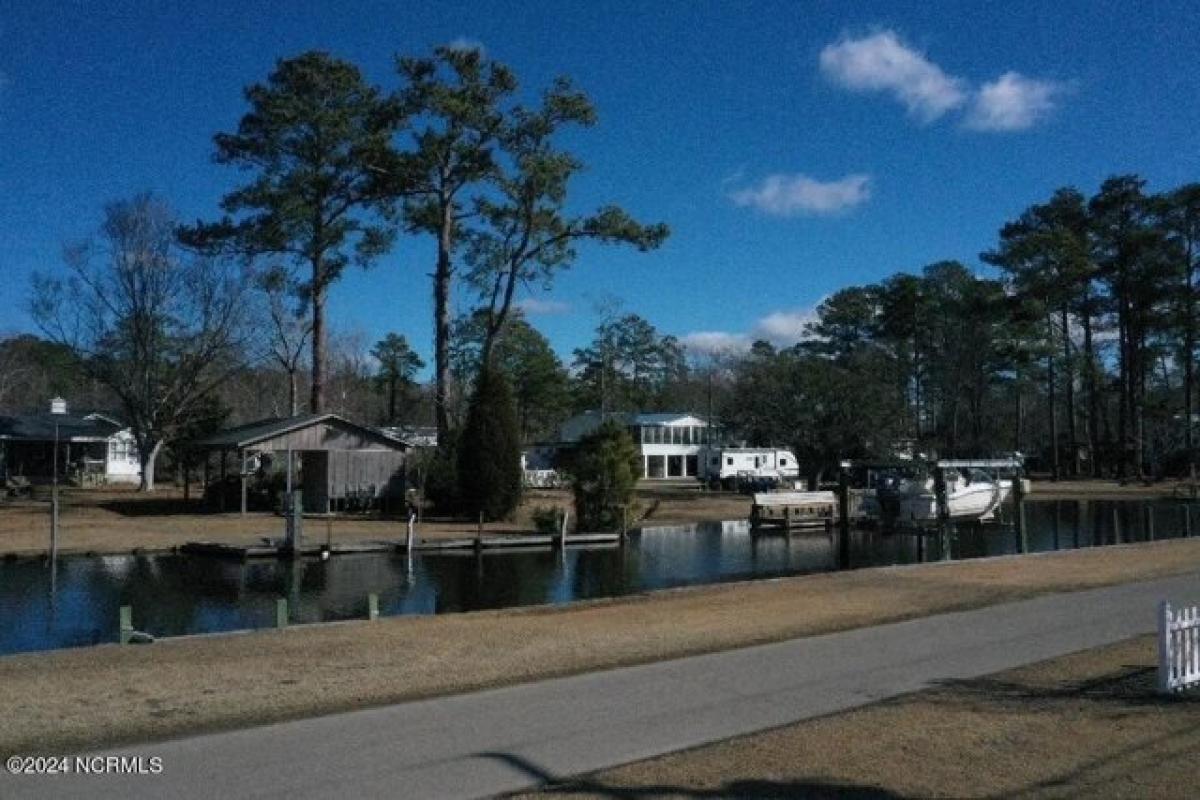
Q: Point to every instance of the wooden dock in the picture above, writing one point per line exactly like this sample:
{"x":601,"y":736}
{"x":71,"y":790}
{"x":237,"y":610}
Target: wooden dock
{"x":494,"y":542}
{"x":497,"y":542}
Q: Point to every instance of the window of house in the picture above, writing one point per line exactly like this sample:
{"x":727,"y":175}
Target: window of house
{"x":729,"y":461}
{"x":783,"y":462}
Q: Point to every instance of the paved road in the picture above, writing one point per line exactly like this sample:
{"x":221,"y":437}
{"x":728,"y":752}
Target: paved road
{"x":505,"y":739}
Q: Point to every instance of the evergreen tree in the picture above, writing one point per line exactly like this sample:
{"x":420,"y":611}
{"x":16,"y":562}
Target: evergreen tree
{"x":398,"y":364}
{"x":604,"y":469}
{"x":489,"y":456}
{"x":314,"y":137}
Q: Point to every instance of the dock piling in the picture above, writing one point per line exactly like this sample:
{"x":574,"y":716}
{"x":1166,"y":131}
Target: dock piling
{"x":54,"y":525}
{"x":843,"y":498}
{"x":295,"y":530}
{"x":943,"y":512}
{"x":372,"y":606}
{"x":126,"y":629}
{"x":281,"y":612}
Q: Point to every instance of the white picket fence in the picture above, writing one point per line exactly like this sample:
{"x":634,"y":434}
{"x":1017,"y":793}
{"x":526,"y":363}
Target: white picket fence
{"x":1178,"y":647}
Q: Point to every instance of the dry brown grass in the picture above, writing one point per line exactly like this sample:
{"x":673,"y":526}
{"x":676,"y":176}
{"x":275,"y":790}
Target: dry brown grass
{"x":1085,"y":725}
{"x":88,"y":697}
{"x":120,"y":521}
{"x":1109,"y":490}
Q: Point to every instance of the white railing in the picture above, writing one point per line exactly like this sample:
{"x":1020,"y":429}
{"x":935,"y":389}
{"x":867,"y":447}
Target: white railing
{"x":1178,"y":647}
{"x":541,"y":479}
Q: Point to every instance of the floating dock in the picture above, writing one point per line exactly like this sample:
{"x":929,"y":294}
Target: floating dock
{"x":784,"y":512}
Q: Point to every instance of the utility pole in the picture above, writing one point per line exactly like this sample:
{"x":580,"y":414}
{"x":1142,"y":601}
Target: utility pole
{"x":54,"y":507}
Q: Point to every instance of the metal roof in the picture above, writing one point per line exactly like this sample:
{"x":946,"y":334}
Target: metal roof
{"x":641,"y":417}
{"x":70,"y":427}
{"x":252,"y":433}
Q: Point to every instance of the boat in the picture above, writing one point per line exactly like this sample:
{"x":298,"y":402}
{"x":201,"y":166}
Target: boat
{"x":972,"y":493}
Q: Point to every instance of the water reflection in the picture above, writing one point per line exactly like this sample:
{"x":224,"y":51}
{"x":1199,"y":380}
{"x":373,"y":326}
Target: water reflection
{"x":78,"y":603}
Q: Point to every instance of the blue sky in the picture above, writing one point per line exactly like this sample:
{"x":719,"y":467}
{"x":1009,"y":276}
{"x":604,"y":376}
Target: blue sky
{"x":793,"y":148}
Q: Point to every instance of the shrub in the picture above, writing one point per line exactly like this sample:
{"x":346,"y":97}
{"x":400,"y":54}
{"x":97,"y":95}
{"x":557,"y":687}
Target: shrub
{"x":440,"y":476}
{"x":547,"y":519}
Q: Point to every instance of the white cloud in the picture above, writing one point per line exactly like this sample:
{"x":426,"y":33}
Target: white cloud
{"x":785,"y":327}
{"x":794,"y":195}
{"x":532,"y":305}
{"x":883,"y":62}
{"x":780,"y":328}
{"x":465,"y":43}
{"x":1012,"y":102}
{"x":716,"y":343}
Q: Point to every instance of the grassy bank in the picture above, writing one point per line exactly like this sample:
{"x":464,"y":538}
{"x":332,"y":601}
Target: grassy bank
{"x":1084,"y":725}
{"x":120,"y":521}
{"x":77,"y":699}
{"x":1044,"y":488}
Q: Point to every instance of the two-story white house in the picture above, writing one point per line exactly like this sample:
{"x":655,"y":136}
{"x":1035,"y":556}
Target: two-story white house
{"x":672,"y":444}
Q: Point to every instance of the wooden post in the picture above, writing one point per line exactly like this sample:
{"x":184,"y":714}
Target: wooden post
{"x":1149,"y":522}
{"x":1116,"y":524}
{"x":408,"y":536}
{"x":126,"y":624}
{"x":624,"y":523}
{"x":1187,"y":521}
{"x":295,"y":542}
{"x":1164,"y":647}
{"x":221,"y":493}
{"x":53,"y":526}
{"x":187,"y":479}
{"x":479,"y":533}
{"x":281,"y":612}
{"x":1081,"y":518}
{"x":372,"y":606}
{"x":943,"y":511}
{"x":1057,"y":521}
{"x":843,"y":498}
{"x":1019,"y":516}
{"x":562,"y":530}
{"x":241,"y":471}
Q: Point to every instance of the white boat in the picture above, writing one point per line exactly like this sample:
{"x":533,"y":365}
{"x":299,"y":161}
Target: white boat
{"x":970,"y":494}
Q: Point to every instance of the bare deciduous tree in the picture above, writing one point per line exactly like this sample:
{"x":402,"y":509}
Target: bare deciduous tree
{"x":158,"y":327}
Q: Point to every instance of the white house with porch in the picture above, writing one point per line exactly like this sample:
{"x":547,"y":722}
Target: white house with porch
{"x":672,"y":444}
{"x":85,"y":448}
{"x":676,"y":445}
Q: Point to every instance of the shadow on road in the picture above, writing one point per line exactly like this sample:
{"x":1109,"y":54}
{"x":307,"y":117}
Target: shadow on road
{"x":749,"y":789}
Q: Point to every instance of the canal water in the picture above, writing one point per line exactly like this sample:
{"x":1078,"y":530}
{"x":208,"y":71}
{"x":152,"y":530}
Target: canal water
{"x":173,"y":595}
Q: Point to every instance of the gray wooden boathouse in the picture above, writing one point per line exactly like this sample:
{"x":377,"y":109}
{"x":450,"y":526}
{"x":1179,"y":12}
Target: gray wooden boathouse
{"x":333,"y":459}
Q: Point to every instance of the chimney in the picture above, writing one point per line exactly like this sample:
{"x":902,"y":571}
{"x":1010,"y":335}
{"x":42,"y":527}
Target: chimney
{"x":58,"y":406}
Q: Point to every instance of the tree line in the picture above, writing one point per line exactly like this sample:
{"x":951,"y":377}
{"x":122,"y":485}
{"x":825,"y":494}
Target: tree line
{"x":1080,"y":352}
{"x":1078,"y":349}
